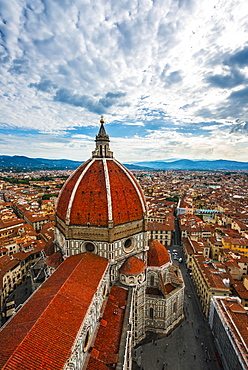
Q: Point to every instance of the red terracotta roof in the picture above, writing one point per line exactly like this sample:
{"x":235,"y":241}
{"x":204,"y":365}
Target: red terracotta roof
{"x":40,"y":336}
{"x":84,"y":200}
{"x":168,"y":288}
{"x":127,"y":198}
{"x":55,"y":259}
{"x":21,"y":256}
{"x":65,"y":193}
{"x":213,"y":273}
{"x":132,"y":266}
{"x":240,"y":289}
{"x":157,"y":254}
{"x":187,"y":245}
{"x":167,"y":225}
{"x":90,"y":201}
{"x":11,"y":223}
{"x":106,"y":346}
{"x":49,"y":248}
{"x":154,"y":291}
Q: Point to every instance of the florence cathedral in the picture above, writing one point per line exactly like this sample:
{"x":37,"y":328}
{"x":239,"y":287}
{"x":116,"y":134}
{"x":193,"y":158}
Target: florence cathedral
{"x":114,"y":284}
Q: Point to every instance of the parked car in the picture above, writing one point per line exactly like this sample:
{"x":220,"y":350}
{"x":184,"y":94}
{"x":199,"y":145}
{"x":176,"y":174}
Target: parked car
{"x":180,"y":259}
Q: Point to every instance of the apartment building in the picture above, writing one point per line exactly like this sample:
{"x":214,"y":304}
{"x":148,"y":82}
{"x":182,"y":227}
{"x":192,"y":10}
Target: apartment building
{"x":161,"y":231}
{"x":14,"y":269}
{"x":236,"y":244}
{"x":192,"y":247}
{"x":210,"y":279}
{"x":229,"y":321}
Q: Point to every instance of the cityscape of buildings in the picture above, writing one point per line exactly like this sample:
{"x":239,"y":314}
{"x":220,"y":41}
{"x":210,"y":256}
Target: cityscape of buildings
{"x":134,"y":255}
{"x":206,"y":213}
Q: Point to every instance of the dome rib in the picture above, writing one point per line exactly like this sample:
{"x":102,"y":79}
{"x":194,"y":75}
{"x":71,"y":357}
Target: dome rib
{"x":65,"y":193}
{"x":126,"y":202}
{"x":75,"y":190}
{"x":135,"y":184}
{"x":101,"y":193}
{"x":107,"y":183}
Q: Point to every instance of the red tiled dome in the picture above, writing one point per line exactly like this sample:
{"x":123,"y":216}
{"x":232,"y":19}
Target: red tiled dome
{"x":100,"y":191}
{"x":55,"y":259}
{"x":132,"y":266}
{"x":157,"y":254}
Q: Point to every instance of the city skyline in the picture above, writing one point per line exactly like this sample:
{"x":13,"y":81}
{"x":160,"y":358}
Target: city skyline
{"x":169,"y":78}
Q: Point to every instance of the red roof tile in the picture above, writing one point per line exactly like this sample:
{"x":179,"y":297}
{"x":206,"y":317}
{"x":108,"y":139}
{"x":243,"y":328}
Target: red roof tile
{"x":55,"y":259}
{"x":168,"y":288}
{"x":65,"y":193}
{"x":107,"y":341}
{"x":127,"y":198}
{"x":41,"y":334}
{"x":157,"y":254}
{"x":132,"y":266}
{"x":87,"y":200}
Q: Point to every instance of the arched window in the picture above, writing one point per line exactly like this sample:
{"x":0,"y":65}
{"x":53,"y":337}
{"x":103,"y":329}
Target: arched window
{"x":152,"y":280}
{"x":105,"y":290}
{"x":174,"y":307}
{"x":87,"y":341}
{"x":151,"y":313}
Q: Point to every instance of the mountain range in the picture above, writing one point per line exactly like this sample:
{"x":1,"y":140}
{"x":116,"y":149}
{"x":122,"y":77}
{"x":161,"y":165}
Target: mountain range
{"x":187,"y":164}
{"x":26,"y":163}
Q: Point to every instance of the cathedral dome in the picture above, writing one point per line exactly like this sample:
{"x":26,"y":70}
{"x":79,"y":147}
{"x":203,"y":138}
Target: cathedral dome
{"x":157,"y":254}
{"x":101,"y":192}
{"x":132,"y":266}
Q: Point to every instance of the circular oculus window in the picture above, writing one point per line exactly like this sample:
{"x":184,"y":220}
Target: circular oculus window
{"x":128,"y":245}
{"x":89,"y":247}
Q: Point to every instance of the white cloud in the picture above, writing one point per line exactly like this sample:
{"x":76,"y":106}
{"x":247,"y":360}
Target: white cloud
{"x":158,"y":59}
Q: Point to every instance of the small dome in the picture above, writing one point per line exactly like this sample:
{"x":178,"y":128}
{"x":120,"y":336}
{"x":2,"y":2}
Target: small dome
{"x":49,"y":248}
{"x":54,"y":260}
{"x":132,"y":266}
{"x":157,"y":254}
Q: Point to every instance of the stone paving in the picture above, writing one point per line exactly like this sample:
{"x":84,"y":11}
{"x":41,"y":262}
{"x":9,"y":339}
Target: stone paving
{"x":189,"y":346}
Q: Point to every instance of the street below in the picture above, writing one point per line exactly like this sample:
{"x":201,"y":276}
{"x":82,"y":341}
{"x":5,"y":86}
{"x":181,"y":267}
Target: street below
{"x":191,"y":344}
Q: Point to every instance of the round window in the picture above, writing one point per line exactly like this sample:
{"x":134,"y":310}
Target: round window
{"x":90,"y":247}
{"x":128,"y":245}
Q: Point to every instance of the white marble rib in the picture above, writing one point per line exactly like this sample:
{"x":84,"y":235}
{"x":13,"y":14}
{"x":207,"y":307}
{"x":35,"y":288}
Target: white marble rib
{"x":68,"y":213}
{"x":109,"y":199}
{"x":134,"y":184}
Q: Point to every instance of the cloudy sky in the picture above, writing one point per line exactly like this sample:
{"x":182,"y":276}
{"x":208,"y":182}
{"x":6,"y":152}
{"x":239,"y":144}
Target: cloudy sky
{"x":170,"y":78}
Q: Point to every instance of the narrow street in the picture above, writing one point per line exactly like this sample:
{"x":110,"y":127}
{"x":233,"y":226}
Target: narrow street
{"x":191,"y":344}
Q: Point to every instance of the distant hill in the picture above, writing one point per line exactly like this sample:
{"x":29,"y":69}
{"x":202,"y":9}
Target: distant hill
{"x":23,"y":162}
{"x":26,"y":163}
{"x":187,"y":164}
